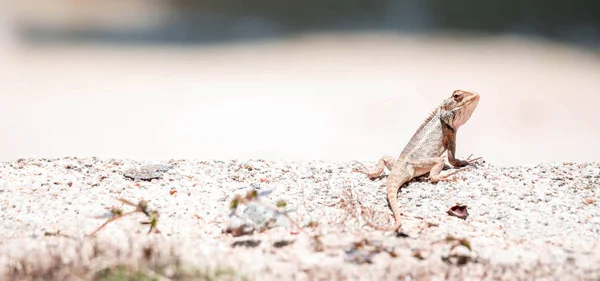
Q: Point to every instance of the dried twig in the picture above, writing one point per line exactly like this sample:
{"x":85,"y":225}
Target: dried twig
{"x":140,"y":207}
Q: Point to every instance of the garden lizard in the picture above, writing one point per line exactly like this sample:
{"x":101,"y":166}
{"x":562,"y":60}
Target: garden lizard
{"x":423,"y":153}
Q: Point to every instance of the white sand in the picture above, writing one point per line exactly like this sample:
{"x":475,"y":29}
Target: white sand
{"x":524,"y":222}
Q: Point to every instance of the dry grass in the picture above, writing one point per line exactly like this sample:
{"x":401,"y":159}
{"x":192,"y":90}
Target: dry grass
{"x":101,"y":260}
{"x":59,"y":256}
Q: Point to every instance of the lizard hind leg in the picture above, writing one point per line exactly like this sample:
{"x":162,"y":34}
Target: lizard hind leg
{"x":385,"y":161}
{"x":434,"y":166}
{"x":436,"y":175}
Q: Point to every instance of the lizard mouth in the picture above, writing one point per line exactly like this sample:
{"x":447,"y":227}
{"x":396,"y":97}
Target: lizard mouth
{"x":472,"y":99}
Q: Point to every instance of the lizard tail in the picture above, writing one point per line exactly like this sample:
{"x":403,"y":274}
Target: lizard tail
{"x":382,"y":228}
{"x":392,"y":194}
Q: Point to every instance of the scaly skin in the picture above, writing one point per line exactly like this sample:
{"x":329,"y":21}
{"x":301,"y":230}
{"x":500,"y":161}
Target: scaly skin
{"x":423,"y":153}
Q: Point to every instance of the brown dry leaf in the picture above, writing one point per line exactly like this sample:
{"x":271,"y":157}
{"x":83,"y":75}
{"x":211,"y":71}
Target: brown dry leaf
{"x":312,"y":224}
{"x":589,"y":200}
{"x":459,"y":211}
{"x":172,"y":191}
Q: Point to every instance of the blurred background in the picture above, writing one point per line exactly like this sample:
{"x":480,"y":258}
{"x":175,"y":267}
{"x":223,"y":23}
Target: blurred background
{"x":296,"y":80}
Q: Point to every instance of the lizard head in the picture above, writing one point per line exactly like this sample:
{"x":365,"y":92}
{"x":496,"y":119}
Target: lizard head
{"x":457,"y":109}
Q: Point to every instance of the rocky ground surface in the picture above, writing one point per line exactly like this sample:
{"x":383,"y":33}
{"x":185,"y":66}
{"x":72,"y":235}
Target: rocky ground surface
{"x":304,"y":222}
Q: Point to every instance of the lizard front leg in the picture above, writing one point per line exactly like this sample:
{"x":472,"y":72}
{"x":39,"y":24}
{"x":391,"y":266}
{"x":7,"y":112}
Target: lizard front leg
{"x":385,"y":161}
{"x":451,"y":146}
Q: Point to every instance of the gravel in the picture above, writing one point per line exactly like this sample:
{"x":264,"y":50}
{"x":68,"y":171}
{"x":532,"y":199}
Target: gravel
{"x":524,"y":222}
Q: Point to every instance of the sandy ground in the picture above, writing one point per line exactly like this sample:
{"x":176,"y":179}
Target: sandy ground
{"x":322,"y":97}
{"x":525,"y":222}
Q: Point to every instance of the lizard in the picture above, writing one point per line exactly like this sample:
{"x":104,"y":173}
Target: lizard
{"x":423,"y":153}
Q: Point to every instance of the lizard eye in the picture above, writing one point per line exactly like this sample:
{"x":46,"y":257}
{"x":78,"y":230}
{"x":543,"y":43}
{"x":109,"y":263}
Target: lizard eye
{"x":456,"y":96}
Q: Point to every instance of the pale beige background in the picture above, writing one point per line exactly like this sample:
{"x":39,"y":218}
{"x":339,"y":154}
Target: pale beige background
{"x":329,"y":96}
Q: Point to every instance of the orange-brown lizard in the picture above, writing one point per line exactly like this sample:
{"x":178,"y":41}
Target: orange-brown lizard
{"x":423,"y":153}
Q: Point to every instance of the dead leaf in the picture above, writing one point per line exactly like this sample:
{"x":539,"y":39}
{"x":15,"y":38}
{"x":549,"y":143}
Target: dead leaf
{"x":589,"y":200}
{"x":459,"y":211}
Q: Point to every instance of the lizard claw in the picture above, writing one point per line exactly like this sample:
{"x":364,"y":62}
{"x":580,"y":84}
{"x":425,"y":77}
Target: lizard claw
{"x":362,"y":170}
{"x":473,"y":161}
{"x":451,"y":178}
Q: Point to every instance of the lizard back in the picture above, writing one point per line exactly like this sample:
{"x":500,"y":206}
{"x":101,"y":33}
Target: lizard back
{"x":427,"y":140}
